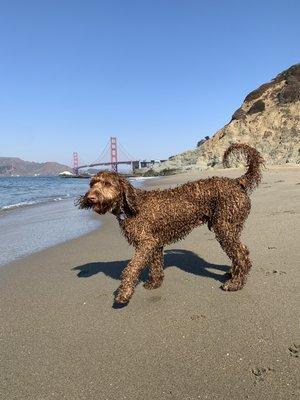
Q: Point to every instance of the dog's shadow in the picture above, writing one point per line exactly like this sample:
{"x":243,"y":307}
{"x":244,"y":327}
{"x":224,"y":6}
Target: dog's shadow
{"x":183,"y":259}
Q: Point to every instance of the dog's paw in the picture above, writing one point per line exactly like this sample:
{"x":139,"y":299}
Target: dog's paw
{"x":233,"y":284}
{"x":124,"y":295}
{"x":150,"y":285}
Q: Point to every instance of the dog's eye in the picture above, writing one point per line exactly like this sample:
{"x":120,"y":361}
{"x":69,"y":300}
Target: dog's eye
{"x":107,"y":183}
{"x":92,"y":182}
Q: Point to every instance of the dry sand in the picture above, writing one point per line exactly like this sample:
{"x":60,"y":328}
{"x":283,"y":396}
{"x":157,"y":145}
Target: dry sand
{"x":60,"y":337}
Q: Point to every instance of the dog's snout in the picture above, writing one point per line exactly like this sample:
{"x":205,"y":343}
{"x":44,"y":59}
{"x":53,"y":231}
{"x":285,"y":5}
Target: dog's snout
{"x":92,"y":197}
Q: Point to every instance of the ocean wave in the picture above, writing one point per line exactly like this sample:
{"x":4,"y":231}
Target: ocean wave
{"x":22,"y":204}
{"x":17,"y":205}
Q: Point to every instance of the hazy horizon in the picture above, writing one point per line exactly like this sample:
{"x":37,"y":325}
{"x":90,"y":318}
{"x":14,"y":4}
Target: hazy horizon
{"x":159,"y":75}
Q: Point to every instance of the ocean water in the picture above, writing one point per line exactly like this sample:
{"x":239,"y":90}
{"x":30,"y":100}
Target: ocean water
{"x":39,"y":212}
{"x":18,"y":192}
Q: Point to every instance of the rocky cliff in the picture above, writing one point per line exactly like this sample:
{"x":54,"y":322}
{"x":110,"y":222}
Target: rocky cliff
{"x":268,"y":119}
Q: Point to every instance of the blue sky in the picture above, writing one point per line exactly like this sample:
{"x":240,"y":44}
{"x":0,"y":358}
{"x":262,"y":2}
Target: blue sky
{"x":158,"y":74}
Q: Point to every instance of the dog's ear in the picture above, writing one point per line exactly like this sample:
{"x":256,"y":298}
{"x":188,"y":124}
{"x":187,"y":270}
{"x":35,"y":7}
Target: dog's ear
{"x":128,"y":197}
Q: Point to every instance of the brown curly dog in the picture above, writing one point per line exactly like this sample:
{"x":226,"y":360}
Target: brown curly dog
{"x":151,"y":219}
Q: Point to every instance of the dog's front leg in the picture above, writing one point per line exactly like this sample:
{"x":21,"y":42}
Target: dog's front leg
{"x":132,"y":272}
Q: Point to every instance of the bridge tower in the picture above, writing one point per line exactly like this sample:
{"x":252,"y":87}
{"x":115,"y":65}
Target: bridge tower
{"x":75,"y":163}
{"x":113,"y":154}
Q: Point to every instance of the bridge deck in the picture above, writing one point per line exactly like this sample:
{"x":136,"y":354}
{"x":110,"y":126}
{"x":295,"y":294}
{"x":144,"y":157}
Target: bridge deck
{"x":107,"y":163}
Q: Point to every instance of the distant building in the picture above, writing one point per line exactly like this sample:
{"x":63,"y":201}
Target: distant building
{"x":66,"y":173}
{"x":149,"y":164}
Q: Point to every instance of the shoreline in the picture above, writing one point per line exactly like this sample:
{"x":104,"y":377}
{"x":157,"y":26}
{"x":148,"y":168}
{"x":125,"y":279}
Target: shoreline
{"x":35,"y":228}
{"x":148,"y":183}
{"x":61,"y":338}
{"x":24,"y":228}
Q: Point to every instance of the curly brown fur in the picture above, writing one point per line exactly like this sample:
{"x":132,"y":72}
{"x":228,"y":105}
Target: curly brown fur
{"x":254,"y":161}
{"x":152,"y":219}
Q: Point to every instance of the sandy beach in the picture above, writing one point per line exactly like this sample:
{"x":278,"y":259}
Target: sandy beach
{"x":62,"y":339}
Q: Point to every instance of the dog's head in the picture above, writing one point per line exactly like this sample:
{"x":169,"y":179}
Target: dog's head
{"x":109,"y":192}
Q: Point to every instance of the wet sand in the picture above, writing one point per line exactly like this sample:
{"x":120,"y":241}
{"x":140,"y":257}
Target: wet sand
{"x":34,"y":228}
{"x":62,"y":339}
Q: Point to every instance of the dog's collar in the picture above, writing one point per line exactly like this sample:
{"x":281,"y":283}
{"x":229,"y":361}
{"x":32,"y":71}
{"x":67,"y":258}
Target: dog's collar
{"x":122,"y":216}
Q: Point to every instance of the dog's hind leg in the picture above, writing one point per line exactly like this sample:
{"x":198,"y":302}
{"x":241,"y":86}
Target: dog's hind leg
{"x":229,"y":238}
{"x":156,"y":274}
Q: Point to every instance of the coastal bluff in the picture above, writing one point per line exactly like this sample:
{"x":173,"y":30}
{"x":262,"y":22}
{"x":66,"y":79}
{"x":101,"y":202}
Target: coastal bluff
{"x":268,"y":119}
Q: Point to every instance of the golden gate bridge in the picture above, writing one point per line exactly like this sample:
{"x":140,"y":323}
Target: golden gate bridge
{"x":112,"y":156}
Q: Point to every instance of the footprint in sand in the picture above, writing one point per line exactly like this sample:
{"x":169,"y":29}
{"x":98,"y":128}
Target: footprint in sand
{"x":294,"y":350}
{"x":261,"y":374}
{"x":282,"y":212}
{"x":275,"y":271}
{"x":197,"y":317}
{"x":156,"y":299}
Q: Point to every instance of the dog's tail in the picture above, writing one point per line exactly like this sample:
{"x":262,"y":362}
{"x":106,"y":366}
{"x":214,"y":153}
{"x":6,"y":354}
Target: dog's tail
{"x":254,"y":162}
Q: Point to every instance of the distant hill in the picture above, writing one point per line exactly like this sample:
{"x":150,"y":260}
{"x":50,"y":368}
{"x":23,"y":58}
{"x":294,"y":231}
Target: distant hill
{"x":10,"y":166}
{"x":268,"y":119}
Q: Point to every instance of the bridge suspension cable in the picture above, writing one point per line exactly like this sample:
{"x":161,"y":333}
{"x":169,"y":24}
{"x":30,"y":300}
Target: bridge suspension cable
{"x":125,"y":152}
{"x":101,"y":157}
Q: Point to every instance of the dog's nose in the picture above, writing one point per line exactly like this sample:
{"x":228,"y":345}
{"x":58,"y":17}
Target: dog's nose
{"x":92,"y":197}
